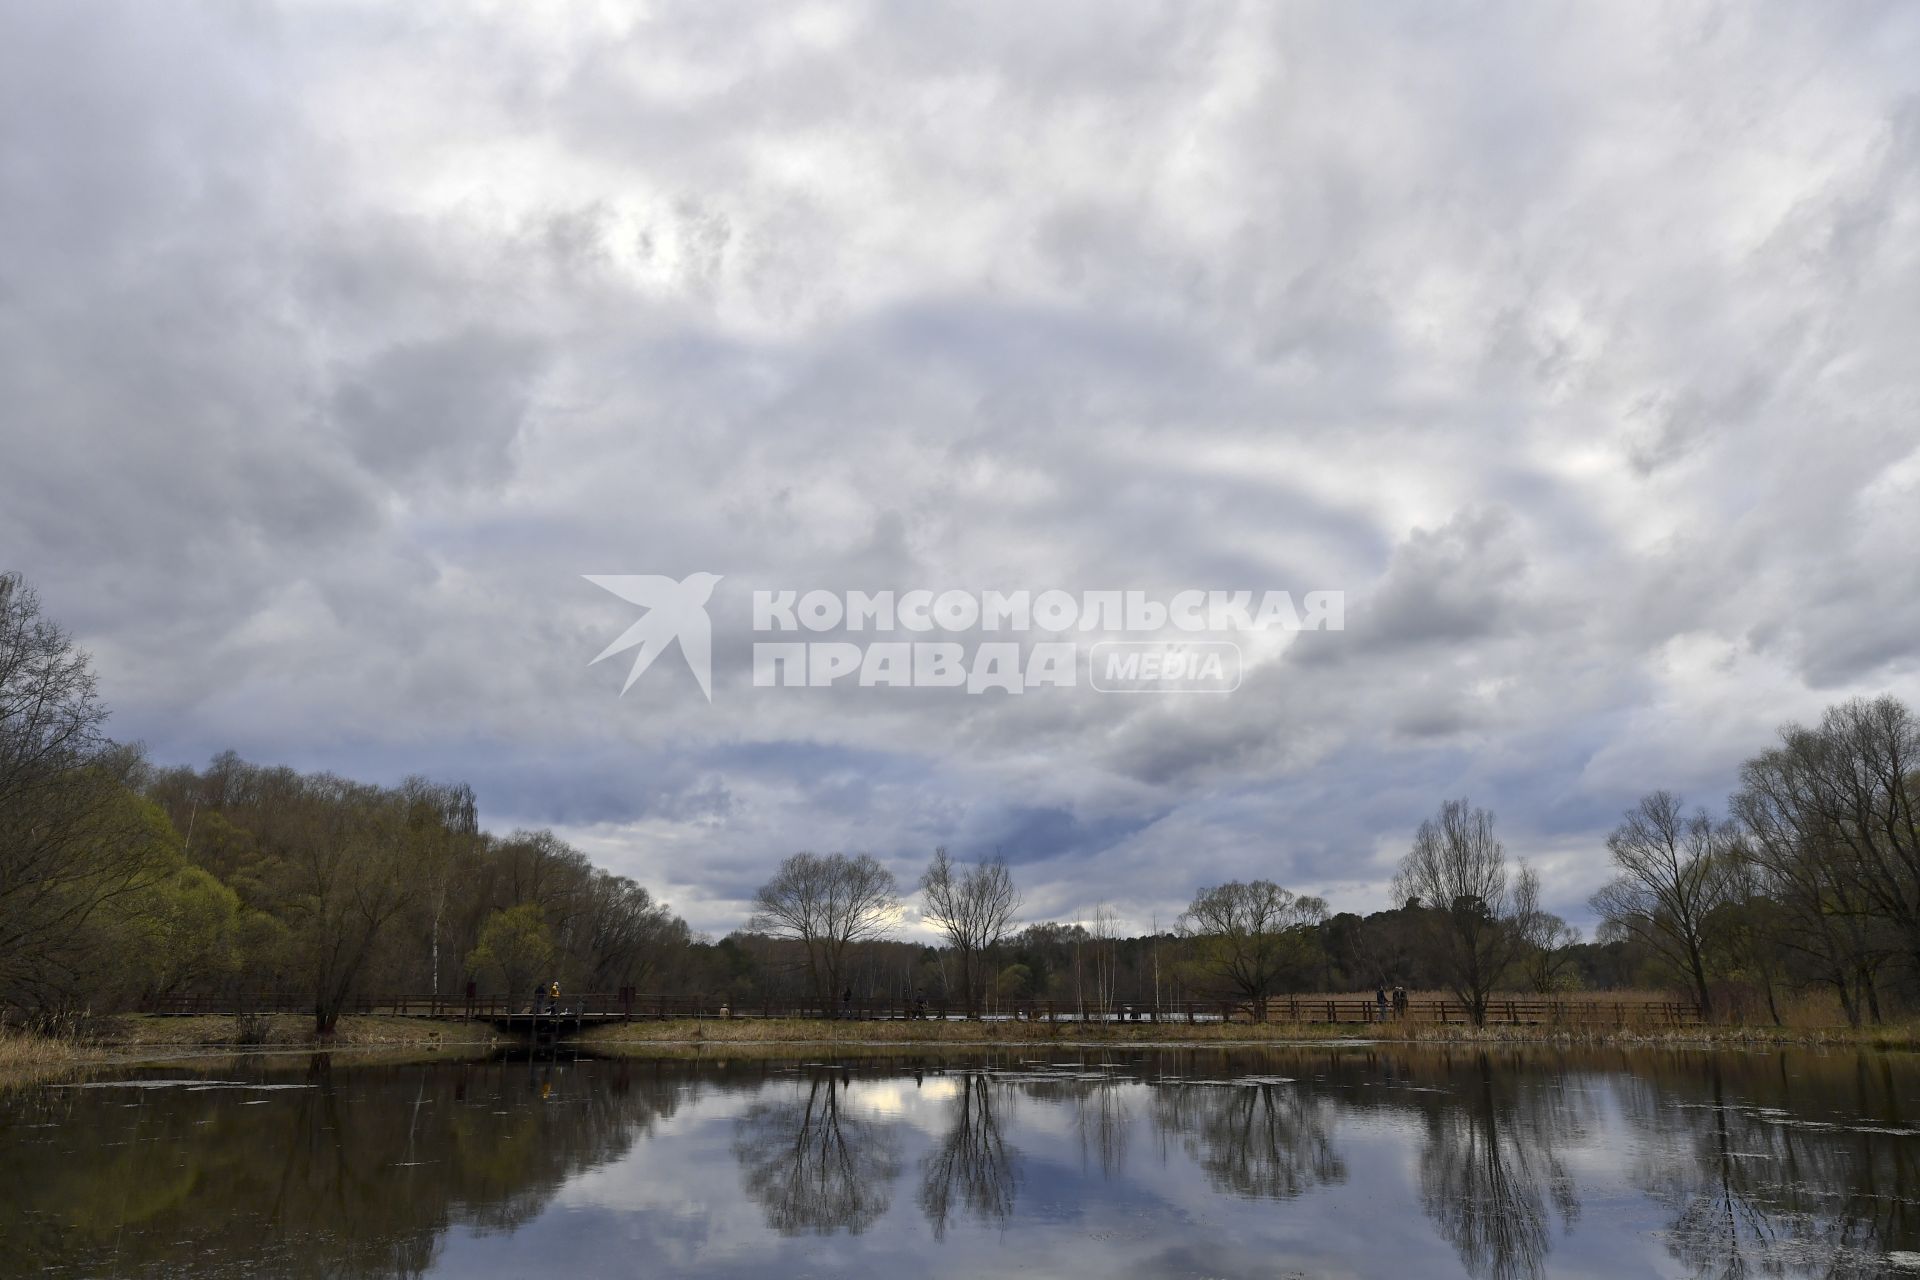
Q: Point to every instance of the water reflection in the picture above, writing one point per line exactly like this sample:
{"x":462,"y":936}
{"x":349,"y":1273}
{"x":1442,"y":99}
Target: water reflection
{"x":315,"y":1170}
{"x":813,"y":1164}
{"x":973,"y":1168}
{"x":1368,"y":1160}
{"x":1489,"y":1170}
{"x":1258,"y":1138}
{"x":1772,"y":1168}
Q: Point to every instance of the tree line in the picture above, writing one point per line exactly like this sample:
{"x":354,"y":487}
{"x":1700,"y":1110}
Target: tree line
{"x":122,"y":881}
{"x":1809,"y":881}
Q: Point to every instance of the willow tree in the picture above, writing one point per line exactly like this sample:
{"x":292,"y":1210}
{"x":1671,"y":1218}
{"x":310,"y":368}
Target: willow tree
{"x":74,"y":839}
{"x":346,"y":873}
{"x":516,"y":948}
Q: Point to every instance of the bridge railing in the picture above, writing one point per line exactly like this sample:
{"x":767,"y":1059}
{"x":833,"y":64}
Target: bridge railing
{"x":1595,"y":1010}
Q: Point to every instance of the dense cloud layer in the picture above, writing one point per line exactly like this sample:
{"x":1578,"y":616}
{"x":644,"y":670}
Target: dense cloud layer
{"x":337,"y":341}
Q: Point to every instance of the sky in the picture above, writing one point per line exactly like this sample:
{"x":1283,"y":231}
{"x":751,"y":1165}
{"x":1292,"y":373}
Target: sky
{"x":1574,"y":344}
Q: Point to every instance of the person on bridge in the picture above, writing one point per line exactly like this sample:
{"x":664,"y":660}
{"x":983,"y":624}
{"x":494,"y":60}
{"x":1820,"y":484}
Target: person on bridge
{"x":1380,"y":1003}
{"x":553,"y":997}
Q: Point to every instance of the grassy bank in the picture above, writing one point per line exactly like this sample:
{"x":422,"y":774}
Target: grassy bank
{"x":796,"y":1031}
{"x":285,"y":1030}
{"x":26,"y":1058}
{"x":129,"y":1034}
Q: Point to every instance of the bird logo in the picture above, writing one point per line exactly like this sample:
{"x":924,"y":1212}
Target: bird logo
{"x":674,"y":611}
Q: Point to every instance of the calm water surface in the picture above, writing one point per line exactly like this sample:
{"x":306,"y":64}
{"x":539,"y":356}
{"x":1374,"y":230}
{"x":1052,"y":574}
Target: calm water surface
{"x":1344,"y":1161}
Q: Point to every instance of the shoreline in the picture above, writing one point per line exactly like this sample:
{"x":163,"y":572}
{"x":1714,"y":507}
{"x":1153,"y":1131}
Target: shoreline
{"x":819,"y":1034}
{"x":136,"y":1039}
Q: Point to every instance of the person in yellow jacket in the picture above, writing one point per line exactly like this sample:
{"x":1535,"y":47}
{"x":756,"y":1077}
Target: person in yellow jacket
{"x":553,"y":997}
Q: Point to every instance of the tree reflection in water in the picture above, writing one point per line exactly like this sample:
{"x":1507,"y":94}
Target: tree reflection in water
{"x":1755,"y":1188}
{"x":1104,"y":1122}
{"x":1751,"y":1164}
{"x":973,"y":1167}
{"x":1488,"y":1170}
{"x":339,"y":1172}
{"x":1266,"y":1140}
{"x":814,"y":1164}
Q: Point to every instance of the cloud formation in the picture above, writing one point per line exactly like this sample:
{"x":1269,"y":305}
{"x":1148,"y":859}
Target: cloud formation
{"x":338,"y":341}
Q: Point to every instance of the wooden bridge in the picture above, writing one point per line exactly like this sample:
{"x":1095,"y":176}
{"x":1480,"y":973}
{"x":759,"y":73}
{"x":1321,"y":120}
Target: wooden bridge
{"x":571,"y":1013}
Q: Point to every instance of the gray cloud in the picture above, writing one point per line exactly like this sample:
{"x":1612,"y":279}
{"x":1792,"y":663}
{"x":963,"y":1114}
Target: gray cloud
{"x":335,"y":345}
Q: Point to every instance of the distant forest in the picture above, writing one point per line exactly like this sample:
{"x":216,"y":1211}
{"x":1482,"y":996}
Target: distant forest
{"x":122,"y":881}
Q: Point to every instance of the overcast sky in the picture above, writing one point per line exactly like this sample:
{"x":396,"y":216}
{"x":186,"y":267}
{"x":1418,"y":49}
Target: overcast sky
{"x":1577,"y":345}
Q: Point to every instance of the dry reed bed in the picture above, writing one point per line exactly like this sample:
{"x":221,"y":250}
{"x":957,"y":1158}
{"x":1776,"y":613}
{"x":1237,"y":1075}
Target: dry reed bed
{"x":778,"y":1031}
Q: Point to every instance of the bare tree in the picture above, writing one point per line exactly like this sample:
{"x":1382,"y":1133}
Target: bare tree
{"x":1858,"y":780}
{"x":1459,"y":870}
{"x":1674,"y":874}
{"x":828,"y":903}
{"x":1247,"y":936}
{"x":1101,"y":938}
{"x":346,"y":876}
{"x":973,"y":909}
{"x":1548,"y":940}
{"x":1817,"y":906}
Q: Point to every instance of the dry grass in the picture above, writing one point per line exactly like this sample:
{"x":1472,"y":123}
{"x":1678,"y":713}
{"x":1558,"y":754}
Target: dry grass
{"x":746,"y":1032}
{"x":287,"y":1030}
{"x":930,"y":1031}
{"x":25,"y":1050}
{"x":26,"y":1057}
{"x":29,"y":1058}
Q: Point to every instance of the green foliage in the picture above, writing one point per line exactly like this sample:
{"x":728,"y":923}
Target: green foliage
{"x":515,"y":951}
{"x":187,"y":930}
{"x":1013,"y":982}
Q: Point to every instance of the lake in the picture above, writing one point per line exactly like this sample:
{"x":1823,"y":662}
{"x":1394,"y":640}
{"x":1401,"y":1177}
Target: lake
{"x":1348,"y":1160}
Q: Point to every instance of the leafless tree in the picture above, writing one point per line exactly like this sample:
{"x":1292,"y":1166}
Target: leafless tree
{"x":1674,"y":873}
{"x":1100,"y":941}
{"x":829,"y":903}
{"x":1817,"y":905}
{"x":1549,"y":940}
{"x":346,"y":876}
{"x":973,"y":909}
{"x":1459,"y":870}
{"x":1860,"y":781}
{"x":1246,"y":937}
{"x":626,"y":935}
